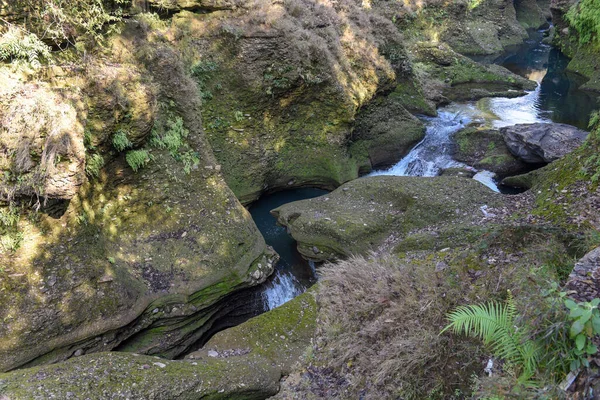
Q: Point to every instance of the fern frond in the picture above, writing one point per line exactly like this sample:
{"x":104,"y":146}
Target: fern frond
{"x":494,"y":324}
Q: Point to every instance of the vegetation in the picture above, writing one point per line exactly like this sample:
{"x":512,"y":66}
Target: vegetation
{"x":138,"y":159}
{"x":61,"y":21}
{"x":93,"y":165}
{"x":494,"y":323}
{"x":541,"y":356}
{"x":10,"y":236}
{"x":584,"y":16}
{"x":18,"y":44}
{"x":174,"y":140}
{"x":120,"y":141}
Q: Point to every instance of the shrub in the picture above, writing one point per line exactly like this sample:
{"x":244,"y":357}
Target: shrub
{"x":381,"y":319}
{"x":17,"y":44}
{"x":584,"y":16}
{"x":138,"y":159}
{"x":64,"y":20}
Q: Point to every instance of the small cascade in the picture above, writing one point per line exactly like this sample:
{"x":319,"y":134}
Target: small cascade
{"x":282,"y":288}
{"x":433,"y":153}
{"x":293,"y":274}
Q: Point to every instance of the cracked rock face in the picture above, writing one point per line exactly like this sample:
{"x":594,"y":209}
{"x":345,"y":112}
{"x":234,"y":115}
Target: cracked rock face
{"x":584,"y":280}
{"x":542,"y":143}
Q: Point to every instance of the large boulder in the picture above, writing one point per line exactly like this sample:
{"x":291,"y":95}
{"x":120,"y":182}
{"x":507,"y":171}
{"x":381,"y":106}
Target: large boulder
{"x":145,"y":261}
{"x":542,"y":143}
{"x":485,"y":149}
{"x":244,"y":362}
{"x":281,"y":335}
{"x":362,"y":214}
{"x":130,"y":376}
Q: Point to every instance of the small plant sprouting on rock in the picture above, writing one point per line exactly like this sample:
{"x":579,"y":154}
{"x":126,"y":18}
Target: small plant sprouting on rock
{"x":138,"y":159}
{"x":120,"y":140}
{"x":174,"y":140}
{"x":202,"y":72}
{"x":93,"y":165}
{"x":239,"y":116}
{"x":10,"y":235}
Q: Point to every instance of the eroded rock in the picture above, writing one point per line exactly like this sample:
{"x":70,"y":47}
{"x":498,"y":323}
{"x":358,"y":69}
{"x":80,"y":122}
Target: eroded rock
{"x":363,"y":213}
{"x":542,"y":143}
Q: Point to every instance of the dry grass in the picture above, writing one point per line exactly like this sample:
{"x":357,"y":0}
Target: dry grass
{"x":40,"y":130}
{"x":381,"y":322}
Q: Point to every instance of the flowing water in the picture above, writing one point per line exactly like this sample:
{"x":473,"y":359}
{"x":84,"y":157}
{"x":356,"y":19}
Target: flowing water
{"x":293,"y":274}
{"x":556,"y":99}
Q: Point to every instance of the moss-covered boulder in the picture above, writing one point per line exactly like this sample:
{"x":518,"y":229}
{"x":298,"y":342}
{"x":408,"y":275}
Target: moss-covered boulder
{"x":245,"y":362}
{"x":460,"y":78}
{"x":387,"y":131}
{"x":121,"y":375}
{"x":363,"y":213}
{"x":486,"y":149}
{"x":140,"y":260}
{"x":469,"y":27}
{"x":282,"y":84}
{"x":281,"y":335}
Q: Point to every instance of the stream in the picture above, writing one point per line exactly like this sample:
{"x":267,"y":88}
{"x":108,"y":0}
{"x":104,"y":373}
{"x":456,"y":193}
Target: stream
{"x":556,"y":99}
{"x":293,"y":274}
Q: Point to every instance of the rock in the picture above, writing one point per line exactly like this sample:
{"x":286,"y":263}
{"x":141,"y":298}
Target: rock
{"x":359,"y":219}
{"x":387,"y":131}
{"x":485,"y":149}
{"x":122,"y":375}
{"x":281,"y":335}
{"x":126,"y":221}
{"x":458,"y":172}
{"x":584,"y":280}
{"x":542,"y":143}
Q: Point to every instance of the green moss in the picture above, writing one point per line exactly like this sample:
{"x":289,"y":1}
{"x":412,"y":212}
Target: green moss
{"x":363,"y":213}
{"x":135,"y":376}
{"x":485,"y":149}
{"x":280,"y":335}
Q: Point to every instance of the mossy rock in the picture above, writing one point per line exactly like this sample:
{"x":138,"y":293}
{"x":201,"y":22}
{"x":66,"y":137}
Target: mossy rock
{"x":361,"y":214}
{"x":486,"y":149}
{"x":463,"y":79}
{"x":386,"y":131}
{"x":143,"y":258}
{"x":123,"y":375}
{"x":281,"y":335}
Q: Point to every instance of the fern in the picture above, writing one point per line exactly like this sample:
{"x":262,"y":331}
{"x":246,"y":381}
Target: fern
{"x":584,"y":16}
{"x":138,"y":159}
{"x":494,"y":324}
{"x":93,"y":165}
{"x":120,"y":140}
{"x":18,"y":44}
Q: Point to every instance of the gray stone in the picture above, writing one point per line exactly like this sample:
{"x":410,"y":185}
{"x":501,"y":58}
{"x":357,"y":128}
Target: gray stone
{"x":542,"y":143}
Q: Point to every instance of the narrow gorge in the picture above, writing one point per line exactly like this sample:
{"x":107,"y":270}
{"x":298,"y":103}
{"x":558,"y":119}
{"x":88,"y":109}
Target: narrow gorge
{"x":299,"y":199}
